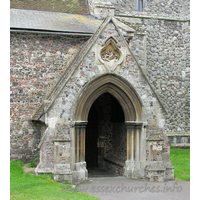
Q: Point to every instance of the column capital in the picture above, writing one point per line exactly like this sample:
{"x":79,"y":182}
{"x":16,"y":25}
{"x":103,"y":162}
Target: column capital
{"x":79,"y":124}
{"x":133,"y":124}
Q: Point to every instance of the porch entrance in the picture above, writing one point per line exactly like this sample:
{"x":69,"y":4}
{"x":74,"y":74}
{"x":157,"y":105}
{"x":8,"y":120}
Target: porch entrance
{"x":105,"y":140}
{"x":108,"y":128}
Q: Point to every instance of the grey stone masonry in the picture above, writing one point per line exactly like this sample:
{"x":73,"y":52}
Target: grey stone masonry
{"x":141,"y":59}
{"x":36,"y":63}
{"x":150,"y":8}
{"x":146,"y":131}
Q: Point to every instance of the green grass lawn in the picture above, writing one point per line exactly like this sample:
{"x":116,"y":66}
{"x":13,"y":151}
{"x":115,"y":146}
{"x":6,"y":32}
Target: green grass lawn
{"x":28,"y":186}
{"x":180,"y":159}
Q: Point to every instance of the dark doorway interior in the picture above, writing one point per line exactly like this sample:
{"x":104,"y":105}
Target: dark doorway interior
{"x":91,"y":149}
{"x":105,"y":133}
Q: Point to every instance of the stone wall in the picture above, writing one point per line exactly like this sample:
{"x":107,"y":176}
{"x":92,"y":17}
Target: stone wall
{"x":161,"y":8}
{"x":168,"y":69}
{"x":37,"y":62}
{"x":119,"y":141}
{"x":112,"y":128}
{"x":179,"y":139}
{"x":161,"y":47}
{"x":167,"y":8}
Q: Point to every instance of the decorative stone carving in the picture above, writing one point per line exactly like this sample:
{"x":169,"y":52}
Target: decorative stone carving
{"x":110,"y":54}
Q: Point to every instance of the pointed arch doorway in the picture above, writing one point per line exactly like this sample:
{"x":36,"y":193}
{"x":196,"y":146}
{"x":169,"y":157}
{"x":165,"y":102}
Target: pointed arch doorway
{"x":88,"y":107}
{"x":105,"y":138}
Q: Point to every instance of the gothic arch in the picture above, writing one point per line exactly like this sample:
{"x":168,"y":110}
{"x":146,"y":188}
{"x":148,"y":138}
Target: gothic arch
{"x":131,"y":106}
{"x":120,"y":89}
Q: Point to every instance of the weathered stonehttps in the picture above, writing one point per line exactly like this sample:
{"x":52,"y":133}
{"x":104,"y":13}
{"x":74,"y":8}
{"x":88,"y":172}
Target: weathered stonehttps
{"x":146,"y":54}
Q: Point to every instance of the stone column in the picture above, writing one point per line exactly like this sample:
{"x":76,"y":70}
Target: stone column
{"x":132,"y":164}
{"x":77,"y":143}
{"x":80,"y":172}
{"x":80,"y":141}
{"x":137,"y":143}
{"x":130,"y":141}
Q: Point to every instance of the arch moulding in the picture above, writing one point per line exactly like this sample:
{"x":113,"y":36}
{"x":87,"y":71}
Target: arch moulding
{"x":124,"y":93}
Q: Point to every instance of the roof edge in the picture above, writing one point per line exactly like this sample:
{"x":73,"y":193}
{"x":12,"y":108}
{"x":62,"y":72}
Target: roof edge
{"x":49,"y":32}
{"x":53,"y":94}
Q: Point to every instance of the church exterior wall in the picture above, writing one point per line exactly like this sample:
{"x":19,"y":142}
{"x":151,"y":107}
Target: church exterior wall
{"x":163,"y":51}
{"x":37,"y":62}
{"x":161,"y":47}
{"x":169,"y":70}
{"x":161,"y":8}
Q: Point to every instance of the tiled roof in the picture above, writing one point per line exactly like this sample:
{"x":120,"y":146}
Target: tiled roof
{"x":64,"y":6}
{"x":52,"y":21}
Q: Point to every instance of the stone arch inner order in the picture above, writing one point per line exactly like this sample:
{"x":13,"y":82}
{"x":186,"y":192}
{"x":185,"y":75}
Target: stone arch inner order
{"x":130,"y":103}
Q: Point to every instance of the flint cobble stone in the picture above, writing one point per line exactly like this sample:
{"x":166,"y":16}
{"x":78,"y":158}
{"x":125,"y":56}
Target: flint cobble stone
{"x":37,"y":62}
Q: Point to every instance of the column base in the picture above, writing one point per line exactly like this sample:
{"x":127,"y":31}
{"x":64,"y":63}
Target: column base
{"x":132,"y":169}
{"x":81,"y":173}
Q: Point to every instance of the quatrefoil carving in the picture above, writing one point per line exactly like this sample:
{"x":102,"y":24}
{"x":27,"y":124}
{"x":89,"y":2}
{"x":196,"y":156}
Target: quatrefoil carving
{"x":110,"y":54}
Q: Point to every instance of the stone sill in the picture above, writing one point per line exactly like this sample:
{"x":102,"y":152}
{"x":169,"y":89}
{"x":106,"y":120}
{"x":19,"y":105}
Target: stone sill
{"x":181,"y":145}
{"x":105,"y":6}
{"x":178,"y":134}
